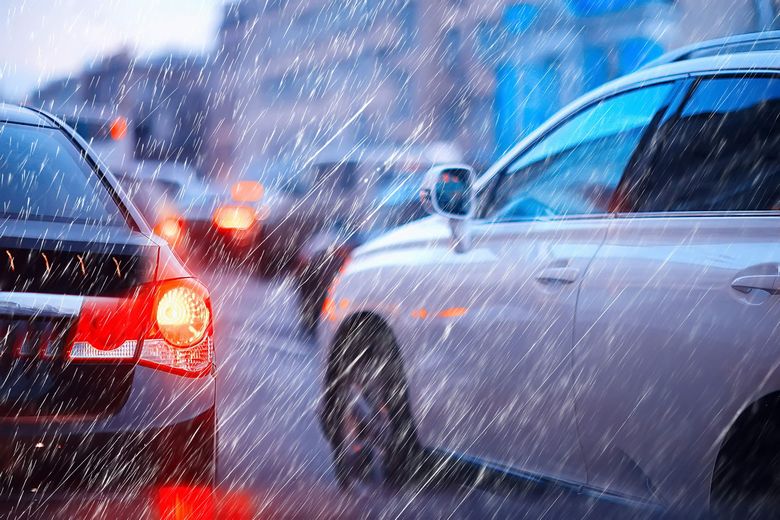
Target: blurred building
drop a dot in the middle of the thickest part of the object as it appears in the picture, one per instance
(294, 74)
(292, 77)
(164, 100)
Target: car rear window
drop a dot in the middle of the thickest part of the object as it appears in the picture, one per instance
(44, 177)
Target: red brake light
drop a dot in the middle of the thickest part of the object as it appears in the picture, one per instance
(234, 217)
(106, 328)
(118, 128)
(171, 320)
(170, 229)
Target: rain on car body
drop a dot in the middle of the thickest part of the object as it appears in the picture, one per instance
(106, 341)
(599, 309)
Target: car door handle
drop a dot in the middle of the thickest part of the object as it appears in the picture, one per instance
(558, 275)
(765, 282)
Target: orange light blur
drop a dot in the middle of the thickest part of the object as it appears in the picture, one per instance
(247, 191)
(118, 128)
(420, 313)
(453, 312)
(170, 229)
(234, 217)
(329, 309)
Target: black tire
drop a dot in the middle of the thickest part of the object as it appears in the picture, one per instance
(746, 482)
(367, 416)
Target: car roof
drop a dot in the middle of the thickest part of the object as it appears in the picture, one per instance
(736, 44)
(16, 114)
(755, 61)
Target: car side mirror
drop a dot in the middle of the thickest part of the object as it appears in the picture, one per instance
(448, 190)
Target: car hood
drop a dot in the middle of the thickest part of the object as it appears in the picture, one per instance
(418, 233)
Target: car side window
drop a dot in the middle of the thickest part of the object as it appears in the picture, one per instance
(575, 169)
(722, 153)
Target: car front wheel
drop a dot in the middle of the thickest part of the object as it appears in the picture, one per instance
(371, 430)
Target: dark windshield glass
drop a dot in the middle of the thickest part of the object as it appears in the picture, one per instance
(43, 177)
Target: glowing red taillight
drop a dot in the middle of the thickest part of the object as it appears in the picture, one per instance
(182, 315)
(237, 218)
(111, 328)
(165, 325)
(170, 229)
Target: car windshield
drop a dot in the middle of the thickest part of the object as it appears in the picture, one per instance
(44, 177)
(396, 203)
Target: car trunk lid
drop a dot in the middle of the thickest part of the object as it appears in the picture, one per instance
(47, 271)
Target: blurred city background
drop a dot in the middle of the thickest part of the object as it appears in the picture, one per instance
(282, 79)
(292, 131)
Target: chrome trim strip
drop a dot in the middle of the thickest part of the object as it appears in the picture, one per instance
(33, 304)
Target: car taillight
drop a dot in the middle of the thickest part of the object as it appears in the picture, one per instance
(170, 320)
(182, 315)
(170, 229)
(247, 191)
(118, 129)
(234, 217)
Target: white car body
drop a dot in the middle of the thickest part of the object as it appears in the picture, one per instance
(610, 352)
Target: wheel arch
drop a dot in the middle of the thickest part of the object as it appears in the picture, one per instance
(338, 348)
(742, 430)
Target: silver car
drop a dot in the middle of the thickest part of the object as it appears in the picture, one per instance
(600, 310)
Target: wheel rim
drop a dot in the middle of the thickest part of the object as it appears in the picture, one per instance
(366, 431)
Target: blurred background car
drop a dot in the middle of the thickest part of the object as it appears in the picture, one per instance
(281, 187)
(190, 213)
(394, 201)
(106, 132)
(304, 200)
(195, 216)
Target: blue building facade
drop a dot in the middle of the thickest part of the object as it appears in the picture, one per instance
(547, 54)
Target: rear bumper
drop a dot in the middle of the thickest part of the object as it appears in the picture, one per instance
(213, 245)
(165, 433)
